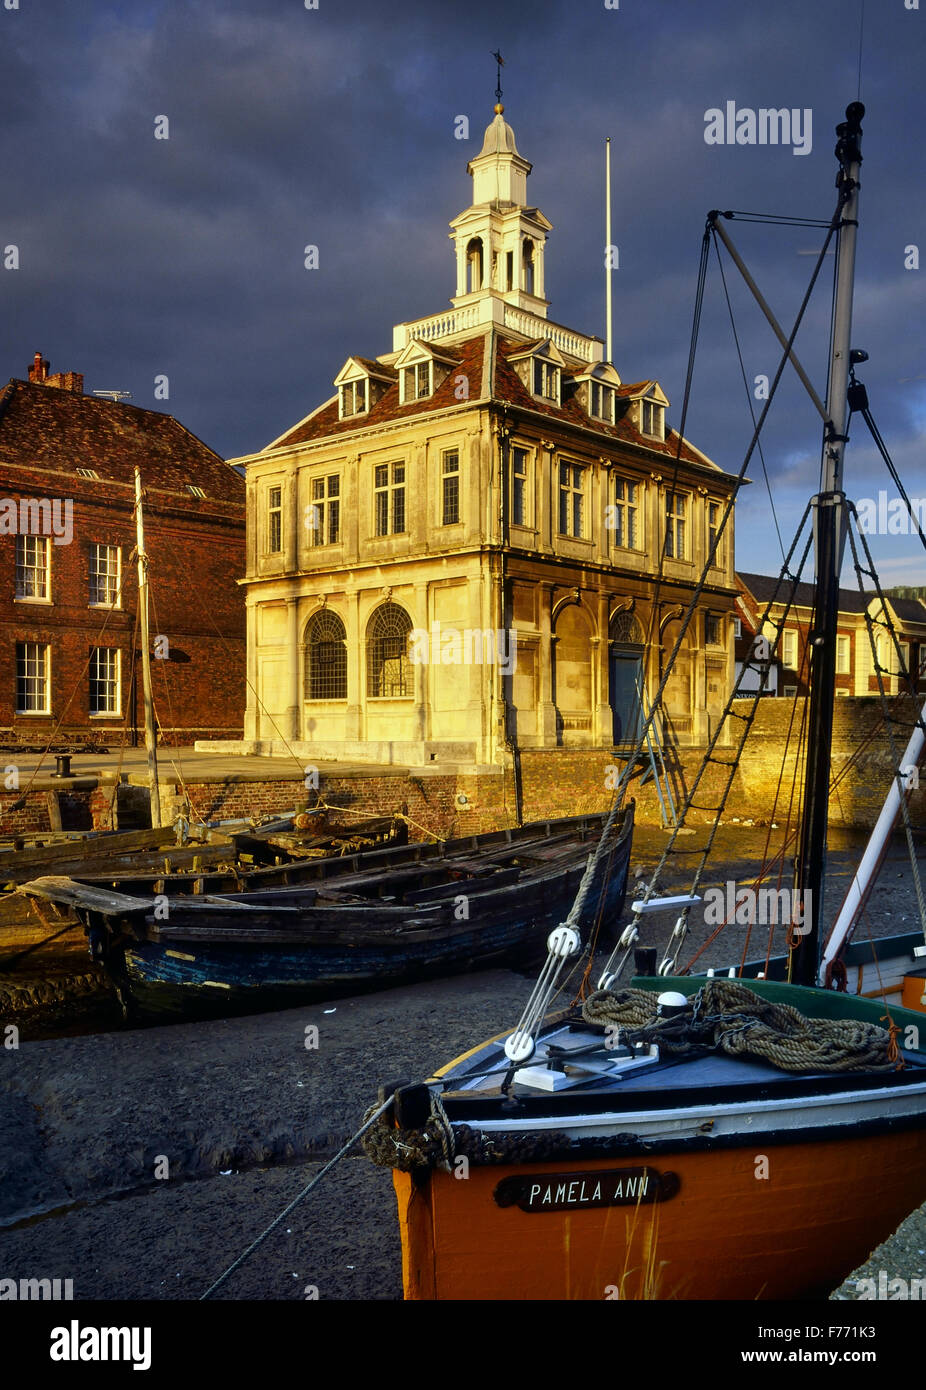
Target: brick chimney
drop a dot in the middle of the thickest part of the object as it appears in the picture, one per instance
(39, 369)
(65, 381)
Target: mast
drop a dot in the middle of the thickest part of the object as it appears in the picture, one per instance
(150, 745)
(830, 535)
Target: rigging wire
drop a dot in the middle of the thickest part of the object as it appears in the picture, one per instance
(752, 412)
(772, 219)
(866, 415)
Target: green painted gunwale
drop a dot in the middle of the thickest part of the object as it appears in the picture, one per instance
(815, 1003)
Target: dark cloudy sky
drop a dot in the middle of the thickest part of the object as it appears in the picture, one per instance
(335, 127)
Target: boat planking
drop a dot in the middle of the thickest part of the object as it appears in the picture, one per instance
(389, 917)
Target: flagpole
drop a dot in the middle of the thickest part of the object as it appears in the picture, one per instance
(607, 254)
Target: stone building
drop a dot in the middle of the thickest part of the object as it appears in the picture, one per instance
(68, 583)
(458, 553)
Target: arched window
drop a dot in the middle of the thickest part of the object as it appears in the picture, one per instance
(527, 266)
(474, 265)
(325, 658)
(389, 671)
(626, 629)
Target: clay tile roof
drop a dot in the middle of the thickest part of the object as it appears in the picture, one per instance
(45, 427)
(510, 387)
(325, 421)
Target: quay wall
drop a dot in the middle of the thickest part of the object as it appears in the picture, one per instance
(446, 801)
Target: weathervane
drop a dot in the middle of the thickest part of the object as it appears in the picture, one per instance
(499, 64)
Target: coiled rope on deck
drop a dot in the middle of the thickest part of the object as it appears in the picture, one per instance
(725, 1015)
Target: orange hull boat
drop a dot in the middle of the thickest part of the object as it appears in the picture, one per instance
(728, 1233)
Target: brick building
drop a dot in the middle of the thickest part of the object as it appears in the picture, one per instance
(855, 667)
(69, 666)
(459, 552)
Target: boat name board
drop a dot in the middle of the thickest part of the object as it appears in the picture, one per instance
(614, 1187)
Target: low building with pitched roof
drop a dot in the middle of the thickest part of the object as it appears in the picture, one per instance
(68, 581)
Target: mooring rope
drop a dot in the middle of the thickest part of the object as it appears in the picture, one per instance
(371, 1120)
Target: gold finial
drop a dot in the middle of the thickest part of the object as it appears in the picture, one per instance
(498, 108)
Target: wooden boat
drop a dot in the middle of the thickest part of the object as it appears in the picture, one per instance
(398, 914)
(222, 857)
(689, 1137)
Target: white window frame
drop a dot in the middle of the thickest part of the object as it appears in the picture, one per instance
(391, 488)
(673, 519)
(843, 654)
(713, 527)
(45, 649)
(94, 574)
(571, 490)
(652, 419)
(604, 402)
(326, 510)
(274, 510)
(737, 627)
(23, 568)
(111, 680)
(521, 487)
(416, 368)
(789, 647)
(629, 511)
(549, 380)
(450, 474)
(348, 393)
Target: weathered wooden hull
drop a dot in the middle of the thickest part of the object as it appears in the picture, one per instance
(205, 959)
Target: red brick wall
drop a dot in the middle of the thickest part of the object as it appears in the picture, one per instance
(34, 817)
(430, 802)
(196, 548)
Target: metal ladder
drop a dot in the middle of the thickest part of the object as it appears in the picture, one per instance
(657, 763)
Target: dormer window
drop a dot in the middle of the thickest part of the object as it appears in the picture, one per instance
(360, 384)
(421, 370)
(546, 380)
(353, 397)
(601, 402)
(416, 382)
(652, 419)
